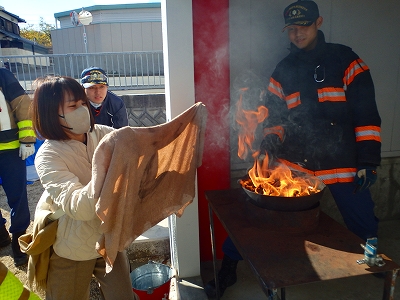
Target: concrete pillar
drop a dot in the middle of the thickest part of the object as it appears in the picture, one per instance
(179, 95)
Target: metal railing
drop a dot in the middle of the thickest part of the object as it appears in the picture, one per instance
(125, 70)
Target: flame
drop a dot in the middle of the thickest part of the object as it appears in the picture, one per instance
(248, 122)
(279, 181)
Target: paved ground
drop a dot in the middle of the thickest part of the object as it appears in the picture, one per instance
(356, 288)
(156, 233)
(34, 192)
(367, 287)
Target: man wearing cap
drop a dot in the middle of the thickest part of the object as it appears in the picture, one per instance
(107, 108)
(323, 120)
(323, 97)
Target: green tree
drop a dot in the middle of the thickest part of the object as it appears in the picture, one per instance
(41, 36)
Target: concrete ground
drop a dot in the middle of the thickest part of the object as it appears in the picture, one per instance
(355, 288)
(151, 245)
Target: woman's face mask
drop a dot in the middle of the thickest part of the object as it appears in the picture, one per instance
(78, 120)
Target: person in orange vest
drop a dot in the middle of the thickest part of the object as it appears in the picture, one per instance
(323, 121)
(17, 140)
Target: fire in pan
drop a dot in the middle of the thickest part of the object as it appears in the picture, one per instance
(292, 192)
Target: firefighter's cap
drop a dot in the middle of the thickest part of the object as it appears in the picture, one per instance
(92, 76)
(302, 13)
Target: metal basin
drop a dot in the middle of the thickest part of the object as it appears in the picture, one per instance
(279, 203)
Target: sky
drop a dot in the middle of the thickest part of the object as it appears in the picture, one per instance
(31, 11)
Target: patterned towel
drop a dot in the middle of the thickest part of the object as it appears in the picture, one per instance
(142, 175)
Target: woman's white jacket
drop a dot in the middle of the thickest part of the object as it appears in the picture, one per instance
(65, 171)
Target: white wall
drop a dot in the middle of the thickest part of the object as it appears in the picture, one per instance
(111, 30)
(126, 15)
(108, 37)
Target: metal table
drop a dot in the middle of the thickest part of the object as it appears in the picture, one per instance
(280, 259)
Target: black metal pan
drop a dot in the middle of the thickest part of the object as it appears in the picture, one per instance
(281, 203)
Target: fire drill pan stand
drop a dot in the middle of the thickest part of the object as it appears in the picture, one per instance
(280, 260)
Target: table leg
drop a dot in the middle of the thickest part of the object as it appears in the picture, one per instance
(283, 294)
(210, 214)
(273, 294)
(388, 287)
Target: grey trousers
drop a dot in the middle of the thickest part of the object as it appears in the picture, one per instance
(70, 279)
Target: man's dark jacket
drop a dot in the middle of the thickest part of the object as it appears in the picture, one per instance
(112, 112)
(322, 105)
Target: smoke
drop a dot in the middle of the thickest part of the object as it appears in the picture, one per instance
(216, 139)
(255, 86)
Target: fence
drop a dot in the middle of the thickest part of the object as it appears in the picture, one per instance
(125, 70)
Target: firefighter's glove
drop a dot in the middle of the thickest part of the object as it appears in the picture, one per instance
(365, 177)
(26, 150)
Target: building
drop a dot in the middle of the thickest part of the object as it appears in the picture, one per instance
(11, 43)
(114, 28)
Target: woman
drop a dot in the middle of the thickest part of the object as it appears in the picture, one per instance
(63, 163)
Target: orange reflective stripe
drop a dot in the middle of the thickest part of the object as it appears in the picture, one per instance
(275, 88)
(368, 133)
(293, 100)
(355, 68)
(341, 175)
(278, 130)
(336, 175)
(331, 94)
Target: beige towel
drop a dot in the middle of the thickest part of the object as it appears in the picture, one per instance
(142, 175)
(38, 246)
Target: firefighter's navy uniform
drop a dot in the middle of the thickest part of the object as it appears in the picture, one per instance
(322, 107)
(16, 134)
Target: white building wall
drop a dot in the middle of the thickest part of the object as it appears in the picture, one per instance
(137, 15)
(112, 30)
(109, 37)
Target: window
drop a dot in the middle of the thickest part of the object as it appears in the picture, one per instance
(9, 26)
(15, 28)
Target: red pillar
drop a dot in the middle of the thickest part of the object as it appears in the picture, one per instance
(212, 85)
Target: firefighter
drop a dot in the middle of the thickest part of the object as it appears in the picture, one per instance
(16, 144)
(323, 120)
(322, 96)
